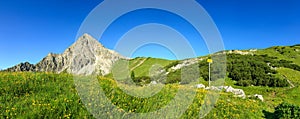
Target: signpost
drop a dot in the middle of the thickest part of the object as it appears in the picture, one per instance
(209, 61)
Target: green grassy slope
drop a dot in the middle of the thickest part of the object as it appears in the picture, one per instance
(290, 95)
(142, 65)
(43, 95)
(39, 95)
(291, 53)
(144, 68)
(292, 75)
(47, 95)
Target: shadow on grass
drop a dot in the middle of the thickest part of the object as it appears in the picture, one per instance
(268, 115)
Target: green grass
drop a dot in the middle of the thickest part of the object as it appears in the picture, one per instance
(291, 53)
(291, 95)
(134, 62)
(143, 69)
(292, 75)
(47, 95)
(39, 95)
(229, 107)
(142, 65)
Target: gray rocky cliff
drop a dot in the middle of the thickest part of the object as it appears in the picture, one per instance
(86, 56)
(22, 67)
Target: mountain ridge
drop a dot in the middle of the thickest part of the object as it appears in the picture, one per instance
(89, 56)
(85, 56)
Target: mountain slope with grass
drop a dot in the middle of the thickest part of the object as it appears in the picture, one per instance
(47, 89)
(290, 53)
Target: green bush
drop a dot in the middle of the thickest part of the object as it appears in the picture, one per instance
(173, 77)
(287, 64)
(287, 111)
(255, 70)
(142, 80)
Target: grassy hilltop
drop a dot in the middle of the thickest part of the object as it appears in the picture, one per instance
(273, 72)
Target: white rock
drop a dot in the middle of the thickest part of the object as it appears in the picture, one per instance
(260, 97)
(239, 93)
(229, 89)
(153, 82)
(236, 92)
(186, 62)
(200, 86)
(213, 88)
(221, 87)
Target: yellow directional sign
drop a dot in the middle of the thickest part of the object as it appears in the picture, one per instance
(209, 60)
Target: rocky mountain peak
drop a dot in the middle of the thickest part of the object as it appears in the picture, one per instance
(86, 40)
(86, 56)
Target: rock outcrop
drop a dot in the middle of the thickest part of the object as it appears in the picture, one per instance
(186, 62)
(86, 56)
(22, 67)
(200, 86)
(237, 92)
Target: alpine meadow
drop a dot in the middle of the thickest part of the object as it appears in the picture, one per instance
(267, 81)
(149, 59)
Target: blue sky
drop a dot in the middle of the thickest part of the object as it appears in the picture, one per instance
(30, 29)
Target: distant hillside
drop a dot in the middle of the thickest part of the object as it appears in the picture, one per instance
(263, 67)
(290, 53)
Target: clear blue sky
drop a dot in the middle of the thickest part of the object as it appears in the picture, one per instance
(30, 29)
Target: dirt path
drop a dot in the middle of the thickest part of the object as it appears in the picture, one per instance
(292, 85)
(141, 62)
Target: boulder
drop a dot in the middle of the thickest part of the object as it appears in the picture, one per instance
(221, 87)
(239, 93)
(260, 97)
(200, 86)
(153, 82)
(236, 92)
(228, 89)
(213, 88)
